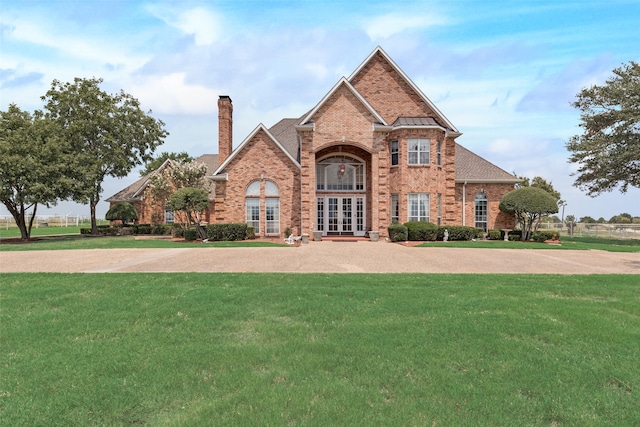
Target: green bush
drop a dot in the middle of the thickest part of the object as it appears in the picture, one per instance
(177, 231)
(143, 229)
(161, 229)
(515, 235)
(251, 233)
(459, 232)
(421, 231)
(397, 233)
(190, 234)
(541, 236)
(226, 232)
(103, 230)
(496, 235)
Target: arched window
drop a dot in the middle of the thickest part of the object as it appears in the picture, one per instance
(254, 196)
(252, 203)
(481, 211)
(272, 207)
(340, 173)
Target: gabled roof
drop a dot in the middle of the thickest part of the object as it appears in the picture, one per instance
(135, 191)
(239, 149)
(349, 86)
(285, 132)
(472, 168)
(414, 87)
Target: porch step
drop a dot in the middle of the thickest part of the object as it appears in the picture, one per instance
(344, 239)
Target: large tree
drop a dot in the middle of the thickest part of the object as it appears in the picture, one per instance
(33, 165)
(608, 151)
(108, 133)
(156, 162)
(528, 204)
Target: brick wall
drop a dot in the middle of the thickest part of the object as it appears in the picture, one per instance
(261, 159)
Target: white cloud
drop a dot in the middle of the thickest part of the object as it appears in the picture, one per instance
(203, 24)
(170, 94)
(65, 41)
(385, 26)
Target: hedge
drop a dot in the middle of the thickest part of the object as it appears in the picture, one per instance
(421, 231)
(226, 232)
(459, 232)
(191, 234)
(542, 236)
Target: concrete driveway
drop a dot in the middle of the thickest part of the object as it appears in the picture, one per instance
(324, 257)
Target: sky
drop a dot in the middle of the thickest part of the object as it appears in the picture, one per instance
(503, 72)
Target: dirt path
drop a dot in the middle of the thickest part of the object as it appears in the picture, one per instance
(324, 257)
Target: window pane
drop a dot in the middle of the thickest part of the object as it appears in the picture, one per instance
(481, 211)
(253, 213)
(271, 189)
(419, 151)
(395, 209)
(273, 216)
(418, 207)
(253, 189)
(394, 152)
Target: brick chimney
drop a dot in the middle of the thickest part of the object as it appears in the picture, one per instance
(225, 128)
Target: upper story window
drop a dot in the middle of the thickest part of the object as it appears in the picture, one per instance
(439, 153)
(340, 174)
(418, 152)
(393, 149)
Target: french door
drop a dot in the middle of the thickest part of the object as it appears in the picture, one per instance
(340, 215)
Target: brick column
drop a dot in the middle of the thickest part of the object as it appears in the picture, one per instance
(225, 128)
(307, 189)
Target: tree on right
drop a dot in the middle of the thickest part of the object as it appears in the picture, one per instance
(608, 150)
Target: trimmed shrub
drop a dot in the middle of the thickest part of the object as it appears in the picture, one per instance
(126, 231)
(496, 235)
(191, 234)
(177, 231)
(226, 232)
(397, 233)
(143, 229)
(459, 232)
(251, 233)
(102, 231)
(515, 235)
(542, 236)
(161, 229)
(421, 231)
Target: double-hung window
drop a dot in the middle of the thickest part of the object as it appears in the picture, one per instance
(253, 213)
(394, 150)
(418, 152)
(418, 207)
(481, 211)
(395, 209)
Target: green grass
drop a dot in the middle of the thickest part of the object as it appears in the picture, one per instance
(13, 232)
(353, 350)
(51, 230)
(121, 242)
(574, 243)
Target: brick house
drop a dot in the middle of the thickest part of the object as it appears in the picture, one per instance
(373, 150)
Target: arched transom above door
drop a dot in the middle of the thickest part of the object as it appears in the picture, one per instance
(340, 173)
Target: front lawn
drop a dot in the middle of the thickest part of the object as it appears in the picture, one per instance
(574, 243)
(319, 349)
(120, 242)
